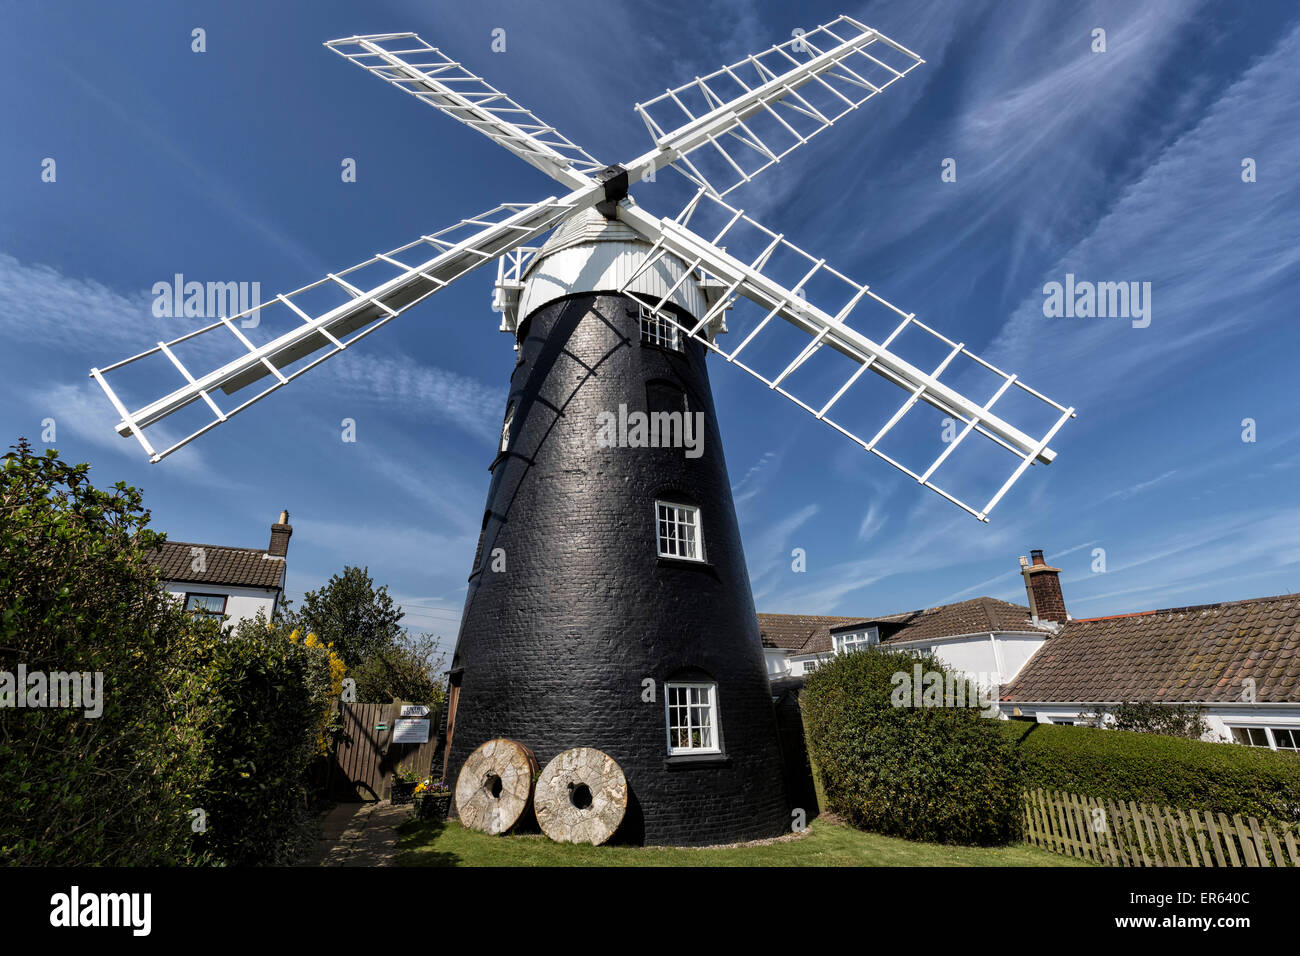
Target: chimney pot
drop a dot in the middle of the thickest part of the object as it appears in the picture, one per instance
(1037, 555)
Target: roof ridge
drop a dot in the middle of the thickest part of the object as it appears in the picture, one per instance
(1189, 607)
(199, 544)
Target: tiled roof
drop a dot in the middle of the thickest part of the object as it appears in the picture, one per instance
(809, 634)
(1176, 655)
(981, 615)
(237, 567)
(793, 631)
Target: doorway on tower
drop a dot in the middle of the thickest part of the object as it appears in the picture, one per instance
(453, 699)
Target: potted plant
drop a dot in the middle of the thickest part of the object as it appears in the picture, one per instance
(432, 799)
(405, 781)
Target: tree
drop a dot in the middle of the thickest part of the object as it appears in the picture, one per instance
(352, 615)
(406, 670)
(80, 596)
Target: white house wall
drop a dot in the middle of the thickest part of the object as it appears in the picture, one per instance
(241, 603)
(1219, 718)
(990, 658)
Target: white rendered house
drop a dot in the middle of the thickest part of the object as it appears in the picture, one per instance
(227, 582)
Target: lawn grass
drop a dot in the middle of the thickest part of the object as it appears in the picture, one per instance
(826, 844)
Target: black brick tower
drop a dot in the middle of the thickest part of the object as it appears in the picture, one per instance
(556, 646)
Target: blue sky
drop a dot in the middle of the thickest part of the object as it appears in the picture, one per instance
(1117, 166)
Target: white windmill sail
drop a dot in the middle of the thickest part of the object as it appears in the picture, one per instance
(424, 71)
(770, 103)
(824, 323)
(459, 249)
(720, 131)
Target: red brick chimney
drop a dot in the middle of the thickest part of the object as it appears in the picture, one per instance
(281, 531)
(1043, 585)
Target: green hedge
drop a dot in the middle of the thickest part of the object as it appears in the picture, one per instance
(943, 774)
(263, 695)
(1149, 768)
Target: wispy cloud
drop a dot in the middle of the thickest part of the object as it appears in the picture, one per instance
(1162, 230)
(432, 393)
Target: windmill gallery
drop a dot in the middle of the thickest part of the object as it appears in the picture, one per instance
(625, 557)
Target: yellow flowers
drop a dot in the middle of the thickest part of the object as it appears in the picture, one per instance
(337, 671)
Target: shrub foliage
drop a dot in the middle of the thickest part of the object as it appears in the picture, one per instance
(201, 750)
(941, 773)
(1152, 768)
(79, 595)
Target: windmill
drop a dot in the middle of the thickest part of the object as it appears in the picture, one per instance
(609, 605)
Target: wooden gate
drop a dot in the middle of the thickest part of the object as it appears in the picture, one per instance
(365, 756)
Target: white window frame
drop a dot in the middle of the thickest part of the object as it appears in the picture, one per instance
(1269, 735)
(856, 640)
(674, 519)
(657, 328)
(712, 706)
(225, 602)
(505, 428)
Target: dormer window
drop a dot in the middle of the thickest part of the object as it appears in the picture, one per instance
(851, 641)
(657, 328)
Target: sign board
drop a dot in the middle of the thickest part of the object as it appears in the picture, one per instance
(413, 730)
(415, 710)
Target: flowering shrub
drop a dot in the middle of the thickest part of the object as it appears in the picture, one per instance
(337, 670)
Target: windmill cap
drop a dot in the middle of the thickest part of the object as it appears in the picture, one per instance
(589, 253)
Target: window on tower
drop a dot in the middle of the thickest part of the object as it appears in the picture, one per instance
(692, 717)
(680, 535)
(657, 328)
(505, 427)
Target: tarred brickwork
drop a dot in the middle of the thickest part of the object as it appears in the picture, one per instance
(554, 649)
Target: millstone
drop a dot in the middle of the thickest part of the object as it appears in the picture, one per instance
(581, 797)
(495, 785)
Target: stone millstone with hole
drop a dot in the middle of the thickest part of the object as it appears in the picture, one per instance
(581, 797)
(495, 786)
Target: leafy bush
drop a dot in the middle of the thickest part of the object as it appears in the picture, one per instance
(191, 719)
(938, 773)
(1149, 768)
(1148, 717)
(269, 699)
(79, 594)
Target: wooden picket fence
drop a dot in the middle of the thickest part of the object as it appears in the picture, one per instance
(1118, 833)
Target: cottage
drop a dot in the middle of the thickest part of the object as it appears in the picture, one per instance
(1238, 661)
(234, 583)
